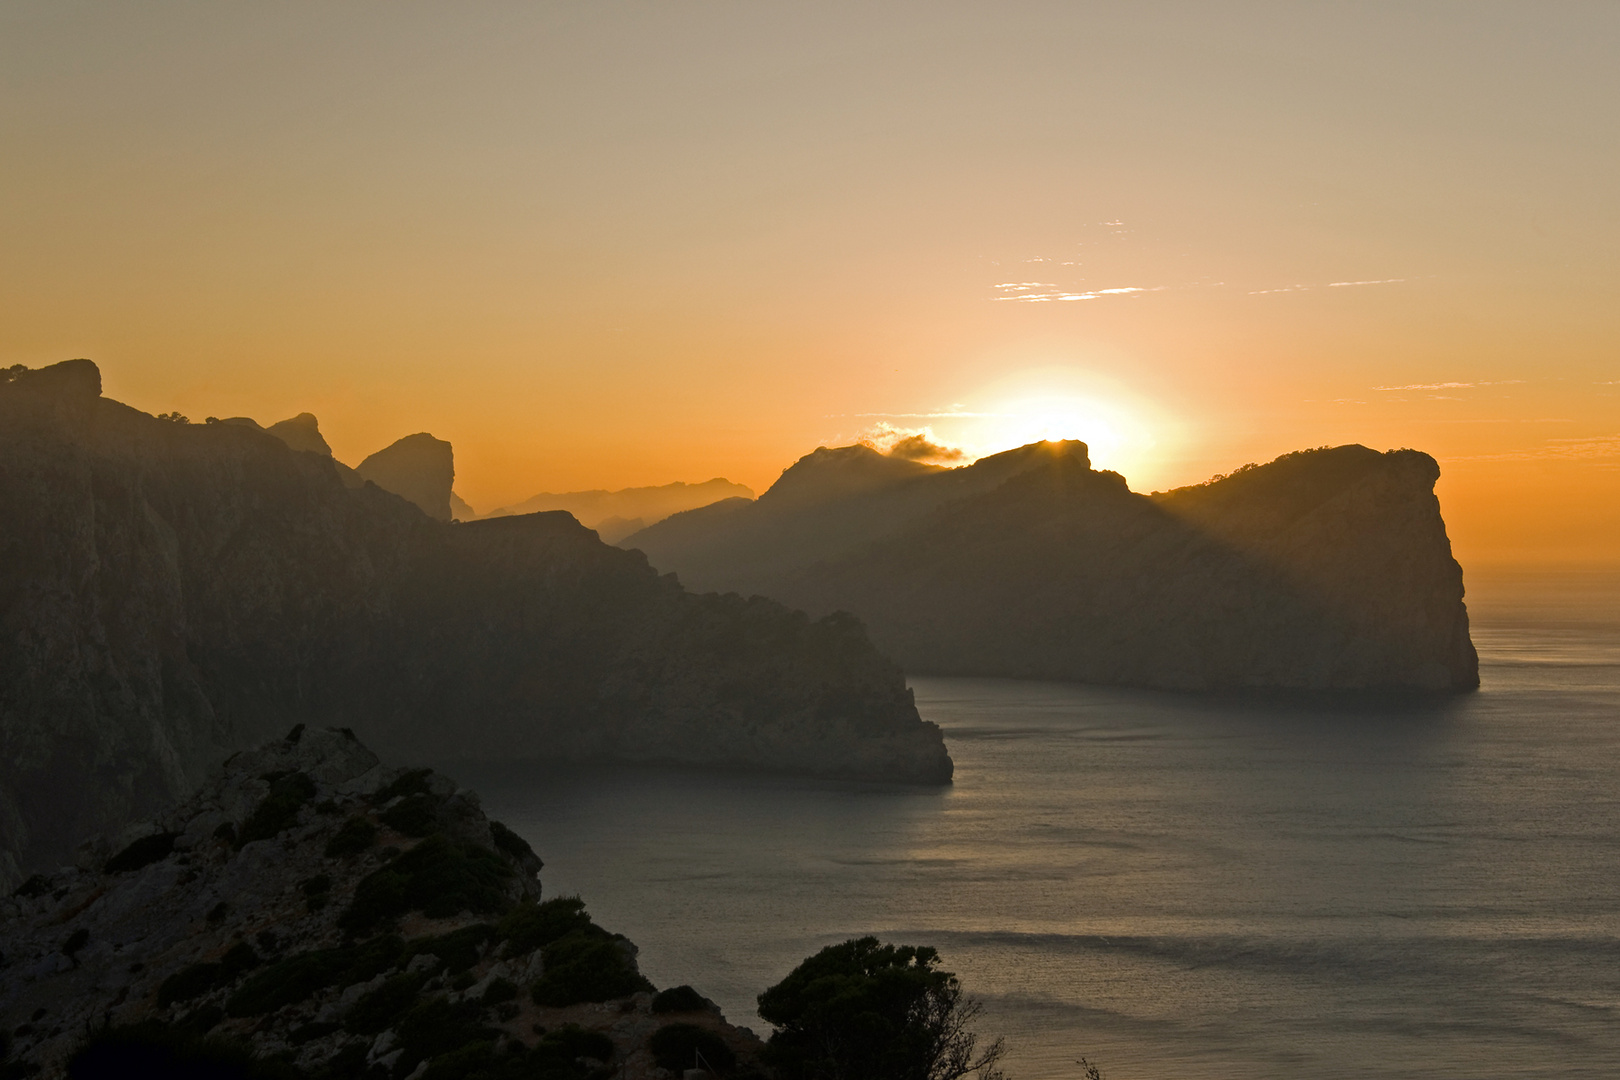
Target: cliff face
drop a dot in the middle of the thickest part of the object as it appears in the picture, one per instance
(419, 468)
(171, 591)
(311, 906)
(1326, 569)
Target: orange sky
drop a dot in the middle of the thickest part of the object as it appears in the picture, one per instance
(609, 244)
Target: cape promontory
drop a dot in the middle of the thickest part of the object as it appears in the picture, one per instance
(1325, 569)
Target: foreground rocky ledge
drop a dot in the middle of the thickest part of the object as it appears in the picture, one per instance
(337, 919)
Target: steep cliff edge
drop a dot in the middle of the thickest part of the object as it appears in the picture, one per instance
(328, 918)
(419, 468)
(171, 591)
(1326, 569)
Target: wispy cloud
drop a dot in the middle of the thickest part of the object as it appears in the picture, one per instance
(909, 415)
(1601, 450)
(1452, 385)
(1328, 285)
(1020, 292)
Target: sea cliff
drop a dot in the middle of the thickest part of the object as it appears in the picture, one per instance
(171, 591)
(1327, 569)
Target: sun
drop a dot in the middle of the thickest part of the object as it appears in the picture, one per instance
(1122, 431)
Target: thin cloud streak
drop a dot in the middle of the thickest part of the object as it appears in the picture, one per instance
(1452, 385)
(1596, 449)
(1042, 298)
(1329, 285)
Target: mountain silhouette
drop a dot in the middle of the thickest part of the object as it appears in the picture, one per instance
(419, 468)
(1325, 569)
(616, 514)
(171, 591)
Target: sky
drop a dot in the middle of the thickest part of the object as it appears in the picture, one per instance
(609, 244)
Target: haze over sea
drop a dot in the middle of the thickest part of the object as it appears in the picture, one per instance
(1178, 886)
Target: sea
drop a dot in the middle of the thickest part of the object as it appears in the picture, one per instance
(1173, 885)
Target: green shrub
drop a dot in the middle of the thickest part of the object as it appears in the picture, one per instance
(412, 783)
(586, 967)
(355, 836)
(240, 958)
(279, 809)
(195, 980)
(380, 1008)
(297, 978)
(497, 991)
(510, 842)
(76, 941)
(679, 999)
(573, 1042)
(151, 1049)
(143, 852)
(459, 949)
(530, 926)
(437, 877)
(436, 1027)
(416, 816)
(864, 1010)
(189, 982)
(678, 1047)
(315, 1029)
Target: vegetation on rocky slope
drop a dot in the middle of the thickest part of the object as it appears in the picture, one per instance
(337, 945)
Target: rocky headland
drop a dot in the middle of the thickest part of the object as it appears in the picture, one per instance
(1326, 569)
(170, 592)
(312, 913)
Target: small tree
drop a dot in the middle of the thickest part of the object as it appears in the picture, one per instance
(864, 1010)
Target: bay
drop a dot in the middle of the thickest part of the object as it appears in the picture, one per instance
(1177, 885)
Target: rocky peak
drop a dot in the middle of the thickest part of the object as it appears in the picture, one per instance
(419, 468)
(838, 472)
(70, 379)
(301, 432)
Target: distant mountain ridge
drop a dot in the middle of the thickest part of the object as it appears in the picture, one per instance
(616, 514)
(825, 505)
(170, 591)
(1325, 569)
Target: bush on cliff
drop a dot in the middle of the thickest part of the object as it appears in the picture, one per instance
(586, 966)
(279, 809)
(438, 877)
(864, 1010)
(528, 927)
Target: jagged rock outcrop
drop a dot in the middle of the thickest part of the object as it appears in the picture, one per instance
(419, 468)
(301, 432)
(173, 591)
(1326, 569)
(314, 909)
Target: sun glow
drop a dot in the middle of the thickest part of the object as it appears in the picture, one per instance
(1122, 433)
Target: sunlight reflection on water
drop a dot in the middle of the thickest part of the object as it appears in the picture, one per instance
(1174, 886)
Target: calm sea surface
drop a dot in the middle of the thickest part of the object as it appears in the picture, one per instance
(1177, 886)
